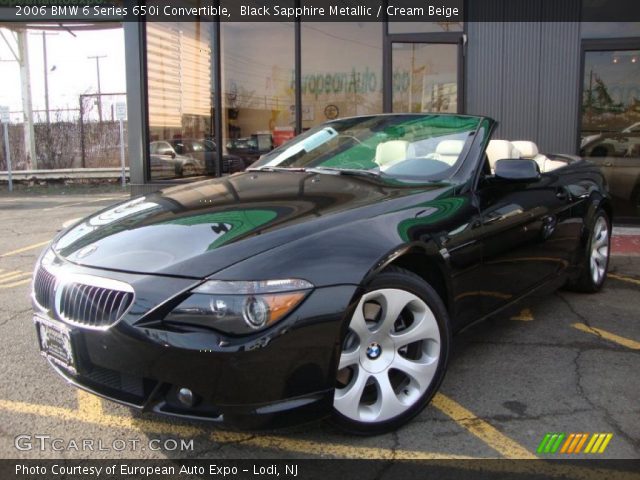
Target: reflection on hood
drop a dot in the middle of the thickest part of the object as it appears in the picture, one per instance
(228, 225)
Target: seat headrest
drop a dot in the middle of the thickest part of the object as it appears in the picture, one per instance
(499, 150)
(393, 151)
(450, 147)
(527, 149)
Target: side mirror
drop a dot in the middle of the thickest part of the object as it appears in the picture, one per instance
(517, 169)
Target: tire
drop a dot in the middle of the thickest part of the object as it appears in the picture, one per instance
(386, 377)
(593, 273)
(189, 170)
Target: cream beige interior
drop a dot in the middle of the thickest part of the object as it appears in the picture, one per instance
(448, 151)
(391, 152)
(503, 149)
(499, 150)
(530, 150)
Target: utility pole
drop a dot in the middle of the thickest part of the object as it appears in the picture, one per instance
(21, 55)
(46, 74)
(27, 108)
(98, 57)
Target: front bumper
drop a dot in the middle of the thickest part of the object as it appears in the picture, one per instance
(283, 375)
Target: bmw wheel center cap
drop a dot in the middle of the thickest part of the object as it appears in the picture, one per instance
(374, 351)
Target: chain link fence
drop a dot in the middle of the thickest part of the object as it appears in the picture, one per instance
(88, 136)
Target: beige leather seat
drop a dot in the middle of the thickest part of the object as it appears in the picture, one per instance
(391, 152)
(530, 150)
(500, 150)
(448, 151)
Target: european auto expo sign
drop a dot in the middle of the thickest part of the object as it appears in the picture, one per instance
(356, 81)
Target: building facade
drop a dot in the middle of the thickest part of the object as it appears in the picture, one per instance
(209, 98)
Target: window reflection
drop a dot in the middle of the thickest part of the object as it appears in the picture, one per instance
(180, 106)
(341, 70)
(258, 91)
(611, 125)
(425, 77)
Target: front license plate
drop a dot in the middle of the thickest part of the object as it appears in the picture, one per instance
(55, 343)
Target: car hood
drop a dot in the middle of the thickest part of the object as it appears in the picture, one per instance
(196, 229)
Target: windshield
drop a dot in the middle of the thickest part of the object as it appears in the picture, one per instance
(402, 146)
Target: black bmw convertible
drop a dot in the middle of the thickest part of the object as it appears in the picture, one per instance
(326, 280)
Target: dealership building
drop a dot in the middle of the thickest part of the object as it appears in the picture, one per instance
(239, 89)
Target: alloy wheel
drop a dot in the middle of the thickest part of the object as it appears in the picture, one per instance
(599, 250)
(389, 358)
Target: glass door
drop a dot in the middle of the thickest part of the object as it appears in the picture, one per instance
(425, 77)
(610, 125)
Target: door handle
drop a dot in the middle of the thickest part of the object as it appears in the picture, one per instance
(491, 219)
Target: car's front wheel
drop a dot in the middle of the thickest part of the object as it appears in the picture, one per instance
(394, 354)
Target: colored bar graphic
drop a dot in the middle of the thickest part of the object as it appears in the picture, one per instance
(574, 444)
(567, 443)
(543, 443)
(555, 443)
(594, 437)
(606, 442)
(598, 443)
(550, 443)
(581, 442)
(555, 447)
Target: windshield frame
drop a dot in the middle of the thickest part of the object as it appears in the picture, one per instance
(405, 123)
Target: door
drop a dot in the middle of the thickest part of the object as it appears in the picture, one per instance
(425, 77)
(526, 236)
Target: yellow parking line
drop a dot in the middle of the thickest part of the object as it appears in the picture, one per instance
(624, 278)
(91, 415)
(612, 337)
(525, 315)
(24, 249)
(89, 405)
(10, 275)
(481, 429)
(15, 284)
(273, 442)
(541, 467)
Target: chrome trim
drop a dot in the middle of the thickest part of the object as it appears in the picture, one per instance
(78, 283)
(50, 287)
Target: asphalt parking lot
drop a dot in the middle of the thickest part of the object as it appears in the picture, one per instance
(561, 363)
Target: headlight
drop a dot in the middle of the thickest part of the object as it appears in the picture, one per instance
(240, 307)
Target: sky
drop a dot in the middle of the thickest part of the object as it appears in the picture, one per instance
(73, 74)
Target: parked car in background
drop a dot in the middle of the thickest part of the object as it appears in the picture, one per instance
(618, 154)
(327, 280)
(613, 144)
(165, 161)
(250, 148)
(204, 151)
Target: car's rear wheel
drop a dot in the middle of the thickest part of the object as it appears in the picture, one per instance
(394, 354)
(594, 271)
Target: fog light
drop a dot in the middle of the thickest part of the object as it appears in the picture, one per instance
(185, 396)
